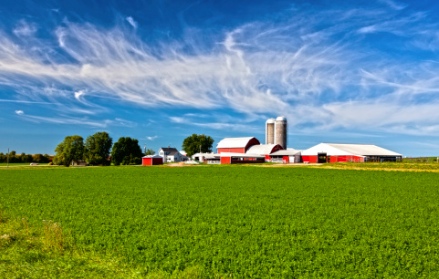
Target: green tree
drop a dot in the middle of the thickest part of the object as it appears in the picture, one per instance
(97, 148)
(126, 151)
(40, 158)
(149, 152)
(71, 149)
(13, 157)
(196, 143)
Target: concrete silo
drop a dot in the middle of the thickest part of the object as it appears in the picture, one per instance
(269, 131)
(280, 134)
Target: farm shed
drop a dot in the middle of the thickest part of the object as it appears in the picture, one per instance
(286, 156)
(336, 152)
(264, 150)
(240, 158)
(213, 159)
(236, 145)
(210, 158)
(151, 160)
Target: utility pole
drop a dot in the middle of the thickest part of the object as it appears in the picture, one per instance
(7, 160)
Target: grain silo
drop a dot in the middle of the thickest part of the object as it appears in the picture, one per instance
(269, 131)
(280, 135)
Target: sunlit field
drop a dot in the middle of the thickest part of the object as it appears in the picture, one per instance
(218, 222)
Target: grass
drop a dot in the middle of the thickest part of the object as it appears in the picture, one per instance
(47, 252)
(217, 222)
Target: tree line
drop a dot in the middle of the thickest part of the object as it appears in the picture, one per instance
(126, 151)
(24, 158)
(96, 151)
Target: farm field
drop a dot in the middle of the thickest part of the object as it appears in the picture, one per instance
(219, 221)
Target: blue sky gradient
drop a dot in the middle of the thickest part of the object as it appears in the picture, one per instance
(159, 71)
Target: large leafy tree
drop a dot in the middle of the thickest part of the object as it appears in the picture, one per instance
(196, 143)
(126, 151)
(71, 149)
(97, 148)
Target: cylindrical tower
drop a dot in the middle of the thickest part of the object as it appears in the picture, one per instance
(269, 131)
(280, 136)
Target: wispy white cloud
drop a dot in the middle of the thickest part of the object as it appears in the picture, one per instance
(151, 138)
(314, 68)
(72, 120)
(24, 29)
(394, 4)
(131, 22)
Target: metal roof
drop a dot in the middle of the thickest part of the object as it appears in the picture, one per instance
(153, 156)
(262, 149)
(234, 142)
(288, 152)
(349, 149)
(169, 151)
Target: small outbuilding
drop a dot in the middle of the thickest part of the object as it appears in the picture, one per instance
(151, 160)
(286, 156)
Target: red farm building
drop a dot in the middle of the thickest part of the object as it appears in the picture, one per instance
(236, 145)
(287, 156)
(264, 150)
(244, 150)
(334, 153)
(151, 160)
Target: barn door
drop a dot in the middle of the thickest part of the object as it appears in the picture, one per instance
(321, 158)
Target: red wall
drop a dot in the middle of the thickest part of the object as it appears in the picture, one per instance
(309, 159)
(226, 160)
(334, 159)
(152, 161)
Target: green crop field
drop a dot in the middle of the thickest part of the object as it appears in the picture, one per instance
(218, 222)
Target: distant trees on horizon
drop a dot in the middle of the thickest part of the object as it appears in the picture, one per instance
(24, 158)
(96, 150)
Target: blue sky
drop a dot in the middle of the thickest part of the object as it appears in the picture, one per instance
(159, 71)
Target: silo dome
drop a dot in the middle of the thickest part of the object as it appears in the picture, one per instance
(270, 121)
(280, 118)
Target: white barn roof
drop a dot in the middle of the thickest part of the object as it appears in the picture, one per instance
(288, 152)
(152, 156)
(234, 142)
(349, 149)
(262, 149)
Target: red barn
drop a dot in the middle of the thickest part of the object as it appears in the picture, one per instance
(236, 145)
(151, 160)
(264, 150)
(336, 152)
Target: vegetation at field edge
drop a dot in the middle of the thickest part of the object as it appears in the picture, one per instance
(399, 166)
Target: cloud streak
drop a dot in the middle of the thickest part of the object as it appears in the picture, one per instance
(314, 68)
